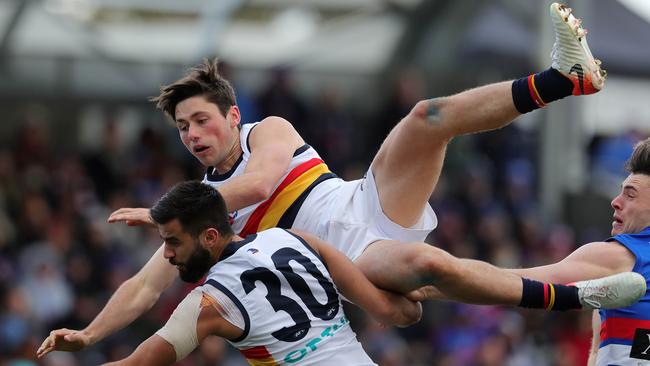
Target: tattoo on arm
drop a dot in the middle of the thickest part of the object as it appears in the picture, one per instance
(433, 112)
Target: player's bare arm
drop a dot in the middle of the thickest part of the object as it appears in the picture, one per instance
(193, 320)
(153, 351)
(593, 260)
(272, 143)
(387, 307)
(132, 299)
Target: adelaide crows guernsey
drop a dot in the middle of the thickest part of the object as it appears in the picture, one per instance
(306, 171)
(625, 332)
(291, 308)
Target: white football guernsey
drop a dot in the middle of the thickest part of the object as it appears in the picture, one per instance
(291, 308)
(306, 171)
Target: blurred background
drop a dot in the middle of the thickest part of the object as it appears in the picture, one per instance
(78, 139)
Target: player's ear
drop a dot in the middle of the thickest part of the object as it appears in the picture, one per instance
(211, 237)
(233, 116)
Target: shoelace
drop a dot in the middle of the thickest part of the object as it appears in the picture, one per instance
(591, 294)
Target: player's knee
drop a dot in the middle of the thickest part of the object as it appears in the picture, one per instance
(433, 264)
(430, 108)
(430, 116)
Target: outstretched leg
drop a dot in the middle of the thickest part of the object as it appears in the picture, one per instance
(404, 267)
(409, 162)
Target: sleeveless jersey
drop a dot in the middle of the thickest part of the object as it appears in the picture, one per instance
(306, 171)
(291, 308)
(625, 332)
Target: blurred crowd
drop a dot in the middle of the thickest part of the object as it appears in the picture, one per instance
(61, 261)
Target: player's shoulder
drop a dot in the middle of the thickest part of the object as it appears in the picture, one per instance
(273, 126)
(277, 131)
(271, 237)
(274, 122)
(280, 233)
(637, 243)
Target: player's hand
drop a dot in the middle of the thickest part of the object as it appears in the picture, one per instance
(426, 293)
(404, 311)
(67, 340)
(132, 216)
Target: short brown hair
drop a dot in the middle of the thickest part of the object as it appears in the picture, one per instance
(639, 162)
(204, 80)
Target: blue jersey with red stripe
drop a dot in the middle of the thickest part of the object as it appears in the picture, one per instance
(619, 326)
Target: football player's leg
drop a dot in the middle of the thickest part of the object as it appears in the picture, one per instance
(404, 267)
(409, 162)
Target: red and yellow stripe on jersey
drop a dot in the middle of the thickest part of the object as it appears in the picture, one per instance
(259, 356)
(290, 192)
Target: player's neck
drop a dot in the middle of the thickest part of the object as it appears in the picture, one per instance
(231, 158)
(223, 243)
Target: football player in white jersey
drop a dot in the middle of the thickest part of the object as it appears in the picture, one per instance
(273, 295)
(269, 177)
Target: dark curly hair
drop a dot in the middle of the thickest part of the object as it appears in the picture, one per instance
(196, 205)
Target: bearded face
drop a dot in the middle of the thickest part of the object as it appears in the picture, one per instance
(196, 266)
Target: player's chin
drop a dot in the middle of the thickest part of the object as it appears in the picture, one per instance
(189, 276)
(205, 157)
(202, 160)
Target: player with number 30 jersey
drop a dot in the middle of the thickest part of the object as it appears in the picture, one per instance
(291, 309)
